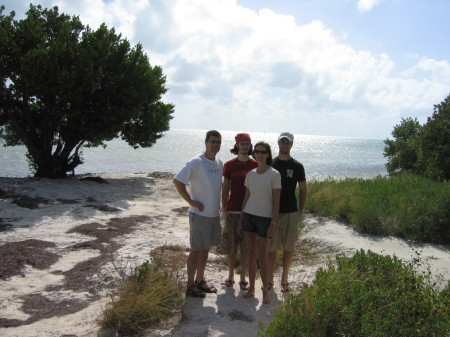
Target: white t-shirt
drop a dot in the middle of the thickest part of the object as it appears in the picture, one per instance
(204, 179)
(261, 187)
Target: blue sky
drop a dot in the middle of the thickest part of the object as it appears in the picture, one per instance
(350, 68)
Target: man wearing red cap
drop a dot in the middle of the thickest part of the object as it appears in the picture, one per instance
(233, 191)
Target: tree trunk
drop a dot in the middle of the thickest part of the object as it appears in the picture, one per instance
(60, 162)
(53, 169)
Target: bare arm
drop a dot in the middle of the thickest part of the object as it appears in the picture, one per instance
(244, 202)
(302, 191)
(181, 188)
(275, 211)
(225, 193)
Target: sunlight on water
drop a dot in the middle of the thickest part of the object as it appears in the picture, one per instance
(322, 156)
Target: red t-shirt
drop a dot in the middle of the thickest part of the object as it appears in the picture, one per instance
(235, 171)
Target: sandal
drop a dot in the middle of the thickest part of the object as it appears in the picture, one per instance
(205, 287)
(228, 283)
(285, 288)
(243, 285)
(195, 291)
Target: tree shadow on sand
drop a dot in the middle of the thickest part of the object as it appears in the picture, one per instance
(80, 197)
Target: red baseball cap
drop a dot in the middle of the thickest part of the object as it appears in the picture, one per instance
(242, 137)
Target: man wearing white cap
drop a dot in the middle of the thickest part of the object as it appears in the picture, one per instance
(287, 229)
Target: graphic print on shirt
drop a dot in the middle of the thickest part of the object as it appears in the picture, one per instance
(289, 173)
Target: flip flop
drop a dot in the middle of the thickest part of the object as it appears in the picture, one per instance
(228, 283)
(243, 285)
(205, 287)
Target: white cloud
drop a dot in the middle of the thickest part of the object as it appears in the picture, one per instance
(367, 5)
(438, 71)
(229, 67)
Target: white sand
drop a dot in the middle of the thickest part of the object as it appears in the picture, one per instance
(224, 314)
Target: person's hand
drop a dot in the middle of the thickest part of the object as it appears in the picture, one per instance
(225, 214)
(198, 205)
(271, 231)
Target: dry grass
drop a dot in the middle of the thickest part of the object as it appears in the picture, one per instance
(151, 293)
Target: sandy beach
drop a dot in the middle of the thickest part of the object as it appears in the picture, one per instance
(62, 240)
(63, 286)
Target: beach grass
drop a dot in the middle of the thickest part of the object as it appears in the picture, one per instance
(149, 294)
(364, 295)
(405, 205)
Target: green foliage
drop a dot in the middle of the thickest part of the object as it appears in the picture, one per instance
(149, 295)
(435, 145)
(66, 86)
(143, 271)
(424, 150)
(403, 152)
(404, 205)
(365, 295)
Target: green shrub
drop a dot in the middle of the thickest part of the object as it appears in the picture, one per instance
(365, 295)
(403, 205)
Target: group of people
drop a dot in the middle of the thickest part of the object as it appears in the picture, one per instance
(259, 207)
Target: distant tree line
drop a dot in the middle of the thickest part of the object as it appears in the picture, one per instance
(65, 86)
(422, 149)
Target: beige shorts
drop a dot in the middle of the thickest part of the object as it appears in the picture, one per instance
(230, 239)
(204, 231)
(286, 232)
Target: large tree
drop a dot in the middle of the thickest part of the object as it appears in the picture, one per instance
(65, 86)
(422, 149)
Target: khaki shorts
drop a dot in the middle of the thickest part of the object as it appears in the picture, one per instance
(286, 232)
(204, 231)
(230, 239)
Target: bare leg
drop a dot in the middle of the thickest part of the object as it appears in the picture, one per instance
(287, 260)
(250, 239)
(244, 264)
(192, 263)
(262, 246)
(231, 264)
(272, 261)
(202, 259)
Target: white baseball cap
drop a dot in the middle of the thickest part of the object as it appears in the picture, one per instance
(287, 135)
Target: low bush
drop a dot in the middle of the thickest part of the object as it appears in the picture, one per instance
(403, 205)
(365, 295)
(150, 294)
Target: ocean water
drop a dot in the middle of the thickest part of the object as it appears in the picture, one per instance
(322, 156)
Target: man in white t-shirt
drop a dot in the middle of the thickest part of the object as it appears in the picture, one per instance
(203, 175)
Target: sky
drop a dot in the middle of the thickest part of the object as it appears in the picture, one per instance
(346, 68)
